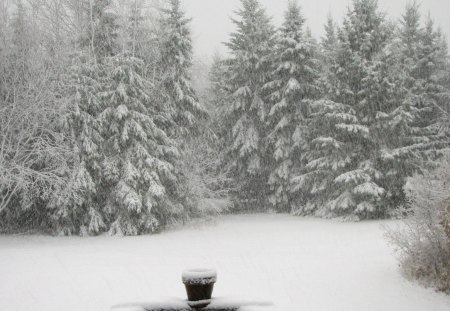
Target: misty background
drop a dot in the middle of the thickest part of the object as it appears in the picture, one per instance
(211, 19)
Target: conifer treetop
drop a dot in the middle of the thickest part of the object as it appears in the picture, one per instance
(253, 27)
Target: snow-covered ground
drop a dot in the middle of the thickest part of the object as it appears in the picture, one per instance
(298, 263)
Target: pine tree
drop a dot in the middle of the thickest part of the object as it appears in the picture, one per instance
(423, 55)
(343, 175)
(410, 33)
(249, 67)
(176, 61)
(376, 119)
(431, 75)
(407, 137)
(393, 130)
(329, 41)
(78, 208)
(139, 176)
(294, 85)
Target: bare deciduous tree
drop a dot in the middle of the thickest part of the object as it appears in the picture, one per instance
(33, 155)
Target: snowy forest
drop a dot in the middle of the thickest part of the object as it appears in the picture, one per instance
(110, 125)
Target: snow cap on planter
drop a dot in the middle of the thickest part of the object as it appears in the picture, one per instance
(199, 276)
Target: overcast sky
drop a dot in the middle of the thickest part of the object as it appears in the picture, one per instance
(211, 23)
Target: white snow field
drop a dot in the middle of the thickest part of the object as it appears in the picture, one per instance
(297, 263)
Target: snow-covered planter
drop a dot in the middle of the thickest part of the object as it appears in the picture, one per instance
(199, 285)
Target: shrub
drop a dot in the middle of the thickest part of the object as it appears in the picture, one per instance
(423, 238)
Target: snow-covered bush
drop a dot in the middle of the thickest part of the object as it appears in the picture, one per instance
(33, 157)
(423, 240)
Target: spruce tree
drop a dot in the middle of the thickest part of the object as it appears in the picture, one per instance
(423, 55)
(293, 87)
(431, 75)
(250, 47)
(78, 208)
(138, 170)
(371, 131)
(393, 130)
(329, 41)
(410, 34)
(176, 61)
(342, 176)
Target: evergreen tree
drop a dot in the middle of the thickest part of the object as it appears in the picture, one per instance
(78, 208)
(344, 174)
(393, 130)
(423, 55)
(410, 34)
(328, 48)
(329, 41)
(431, 75)
(249, 67)
(185, 116)
(139, 176)
(294, 85)
(176, 61)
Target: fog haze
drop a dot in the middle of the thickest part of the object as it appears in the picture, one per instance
(211, 24)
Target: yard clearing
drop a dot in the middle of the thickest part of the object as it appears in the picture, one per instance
(301, 264)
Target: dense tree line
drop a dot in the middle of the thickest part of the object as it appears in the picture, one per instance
(103, 131)
(332, 128)
(354, 126)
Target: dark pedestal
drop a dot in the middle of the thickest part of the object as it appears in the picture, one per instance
(192, 309)
(217, 304)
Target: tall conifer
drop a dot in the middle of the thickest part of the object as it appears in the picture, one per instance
(250, 46)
